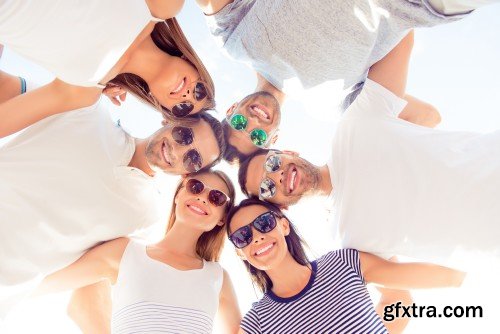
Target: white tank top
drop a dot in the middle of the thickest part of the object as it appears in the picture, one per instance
(78, 41)
(153, 297)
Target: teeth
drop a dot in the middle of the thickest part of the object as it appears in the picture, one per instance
(179, 87)
(261, 112)
(197, 209)
(262, 250)
(165, 154)
(292, 181)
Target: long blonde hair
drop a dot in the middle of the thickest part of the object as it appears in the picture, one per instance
(211, 243)
(168, 37)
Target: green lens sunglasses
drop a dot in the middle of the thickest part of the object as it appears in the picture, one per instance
(239, 122)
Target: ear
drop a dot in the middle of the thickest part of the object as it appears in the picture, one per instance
(283, 207)
(285, 226)
(220, 223)
(231, 109)
(275, 137)
(240, 254)
(184, 176)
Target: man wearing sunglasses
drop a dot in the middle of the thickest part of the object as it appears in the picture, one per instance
(395, 188)
(76, 179)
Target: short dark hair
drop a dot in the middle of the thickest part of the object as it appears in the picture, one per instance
(295, 244)
(218, 134)
(232, 155)
(243, 171)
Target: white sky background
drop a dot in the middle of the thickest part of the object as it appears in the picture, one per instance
(455, 67)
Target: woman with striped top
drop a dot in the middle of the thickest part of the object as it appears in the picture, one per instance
(175, 285)
(327, 295)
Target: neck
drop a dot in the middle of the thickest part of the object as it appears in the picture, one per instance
(181, 239)
(139, 158)
(146, 61)
(325, 183)
(289, 277)
(265, 86)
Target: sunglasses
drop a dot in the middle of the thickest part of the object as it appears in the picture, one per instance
(191, 160)
(216, 197)
(267, 187)
(243, 236)
(184, 108)
(257, 136)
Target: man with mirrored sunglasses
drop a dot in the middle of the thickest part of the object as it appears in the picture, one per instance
(76, 179)
(394, 188)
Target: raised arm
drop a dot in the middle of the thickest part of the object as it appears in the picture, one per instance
(392, 70)
(407, 276)
(229, 311)
(53, 98)
(165, 9)
(99, 263)
(210, 7)
(10, 86)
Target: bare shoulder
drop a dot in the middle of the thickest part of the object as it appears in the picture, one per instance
(165, 9)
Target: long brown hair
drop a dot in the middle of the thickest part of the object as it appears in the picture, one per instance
(294, 243)
(211, 243)
(169, 38)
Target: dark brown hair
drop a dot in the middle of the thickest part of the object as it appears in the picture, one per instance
(294, 243)
(211, 243)
(216, 127)
(168, 37)
(232, 155)
(243, 171)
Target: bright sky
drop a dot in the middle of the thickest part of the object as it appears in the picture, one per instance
(455, 67)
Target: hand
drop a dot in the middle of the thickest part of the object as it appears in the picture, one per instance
(116, 94)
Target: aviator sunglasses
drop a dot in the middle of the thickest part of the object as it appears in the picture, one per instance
(216, 197)
(272, 164)
(243, 236)
(183, 109)
(191, 160)
(257, 136)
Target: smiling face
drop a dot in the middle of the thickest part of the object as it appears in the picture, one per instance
(196, 209)
(262, 110)
(295, 178)
(175, 84)
(164, 153)
(267, 250)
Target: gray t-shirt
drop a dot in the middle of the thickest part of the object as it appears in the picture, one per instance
(316, 41)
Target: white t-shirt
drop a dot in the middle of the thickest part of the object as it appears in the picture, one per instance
(64, 187)
(404, 189)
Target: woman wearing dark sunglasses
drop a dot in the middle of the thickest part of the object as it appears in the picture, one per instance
(92, 44)
(327, 295)
(176, 284)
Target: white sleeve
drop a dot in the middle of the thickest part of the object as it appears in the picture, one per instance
(224, 22)
(375, 99)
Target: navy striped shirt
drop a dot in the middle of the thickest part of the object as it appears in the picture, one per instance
(335, 300)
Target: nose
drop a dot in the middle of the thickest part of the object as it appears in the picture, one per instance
(277, 177)
(187, 93)
(203, 200)
(257, 236)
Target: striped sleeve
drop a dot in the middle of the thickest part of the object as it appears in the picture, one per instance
(351, 257)
(251, 323)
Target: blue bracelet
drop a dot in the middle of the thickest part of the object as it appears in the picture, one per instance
(23, 85)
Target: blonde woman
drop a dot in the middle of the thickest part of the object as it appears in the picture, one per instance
(175, 285)
(133, 45)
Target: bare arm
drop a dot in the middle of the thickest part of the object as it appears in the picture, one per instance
(10, 86)
(407, 276)
(90, 308)
(165, 9)
(392, 70)
(229, 311)
(210, 7)
(56, 97)
(420, 112)
(99, 263)
(390, 297)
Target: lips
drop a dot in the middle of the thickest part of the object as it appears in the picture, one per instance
(260, 111)
(178, 88)
(264, 250)
(292, 179)
(197, 209)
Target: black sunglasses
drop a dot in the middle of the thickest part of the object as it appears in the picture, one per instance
(216, 197)
(191, 160)
(243, 236)
(184, 108)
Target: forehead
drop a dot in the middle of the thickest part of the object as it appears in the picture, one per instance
(246, 215)
(211, 180)
(205, 142)
(255, 173)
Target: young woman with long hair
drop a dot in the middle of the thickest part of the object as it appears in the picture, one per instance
(88, 45)
(176, 284)
(327, 295)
